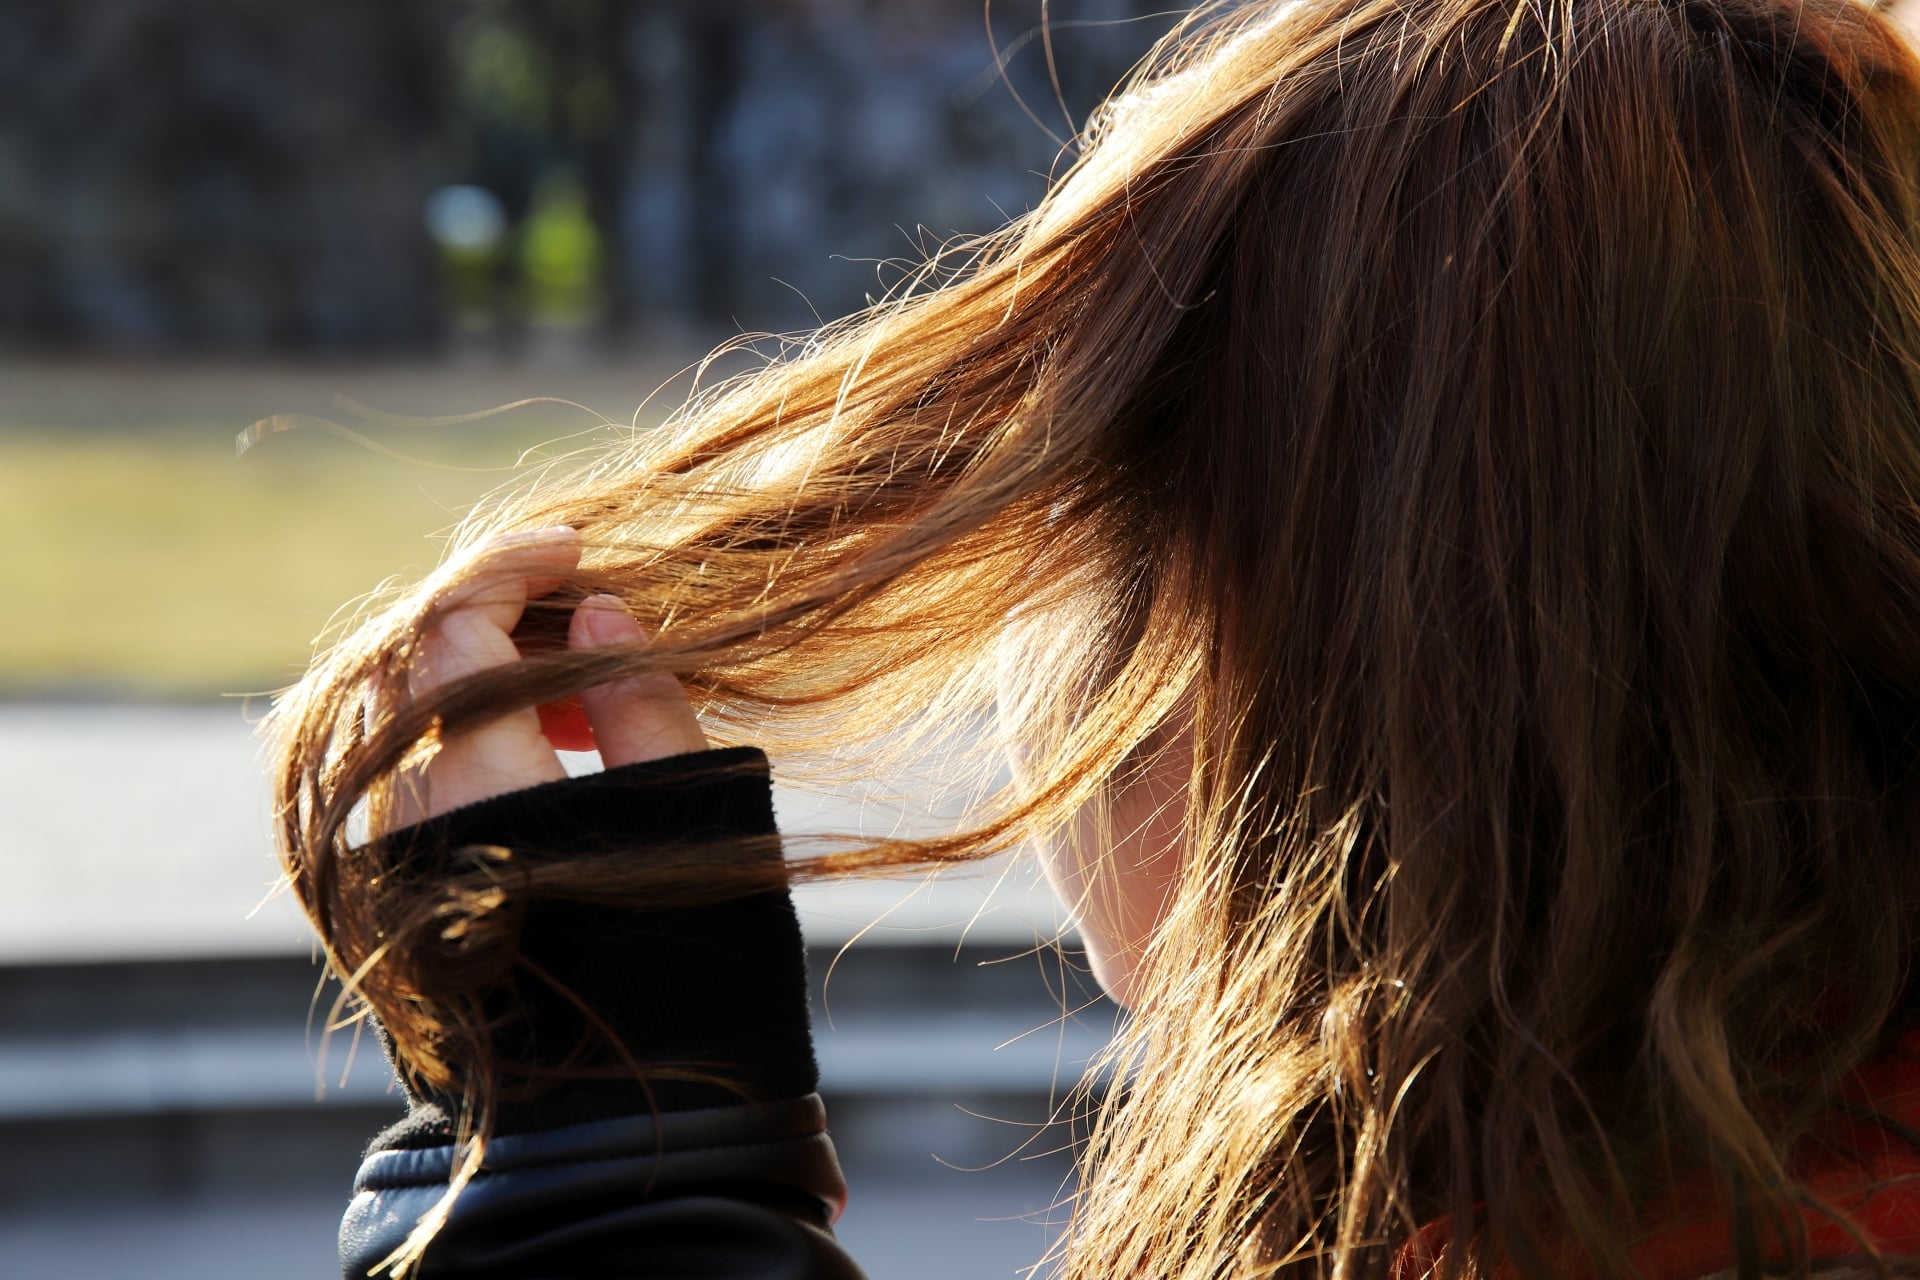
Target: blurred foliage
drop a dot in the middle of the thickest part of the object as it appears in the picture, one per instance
(501, 75)
(532, 114)
(561, 256)
(508, 70)
(219, 174)
(200, 178)
(250, 175)
(161, 565)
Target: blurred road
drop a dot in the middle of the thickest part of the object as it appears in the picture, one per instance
(141, 831)
(159, 1058)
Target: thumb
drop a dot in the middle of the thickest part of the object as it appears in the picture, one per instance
(645, 718)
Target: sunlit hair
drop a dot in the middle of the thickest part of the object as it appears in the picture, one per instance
(1495, 427)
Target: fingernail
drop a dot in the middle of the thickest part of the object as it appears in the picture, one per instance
(605, 620)
(530, 537)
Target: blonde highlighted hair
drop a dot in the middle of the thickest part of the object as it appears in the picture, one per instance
(1495, 429)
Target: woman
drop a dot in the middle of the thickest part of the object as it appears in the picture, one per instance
(1431, 499)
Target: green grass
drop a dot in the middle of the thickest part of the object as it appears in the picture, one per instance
(154, 562)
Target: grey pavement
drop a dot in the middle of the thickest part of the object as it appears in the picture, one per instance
(141, 831)
(160, 1108)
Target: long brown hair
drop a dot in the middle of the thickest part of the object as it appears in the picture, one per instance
(1495, 428)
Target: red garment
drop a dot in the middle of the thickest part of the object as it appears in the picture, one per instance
(1858, 1171)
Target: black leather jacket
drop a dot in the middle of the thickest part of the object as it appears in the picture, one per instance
(606, 1178)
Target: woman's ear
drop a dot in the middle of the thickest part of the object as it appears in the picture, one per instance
(1125, 857)
(1116, 864)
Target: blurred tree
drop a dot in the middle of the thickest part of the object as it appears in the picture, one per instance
(249, 174)
(233, 173)
(562, 256)
(777, 146)
(539, 102)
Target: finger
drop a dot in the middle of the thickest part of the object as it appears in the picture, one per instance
(471, 632)
(511, 570)
(457, 645)
(406, 805)
(470, 636)
(644, 718)
(501, 756)
(484, 760)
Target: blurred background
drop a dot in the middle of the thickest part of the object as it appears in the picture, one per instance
(361, 224)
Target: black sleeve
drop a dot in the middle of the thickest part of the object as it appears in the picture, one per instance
(607, 1177)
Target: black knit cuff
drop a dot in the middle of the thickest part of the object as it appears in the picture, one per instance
(716, 989)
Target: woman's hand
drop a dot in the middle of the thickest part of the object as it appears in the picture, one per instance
(629, 721)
